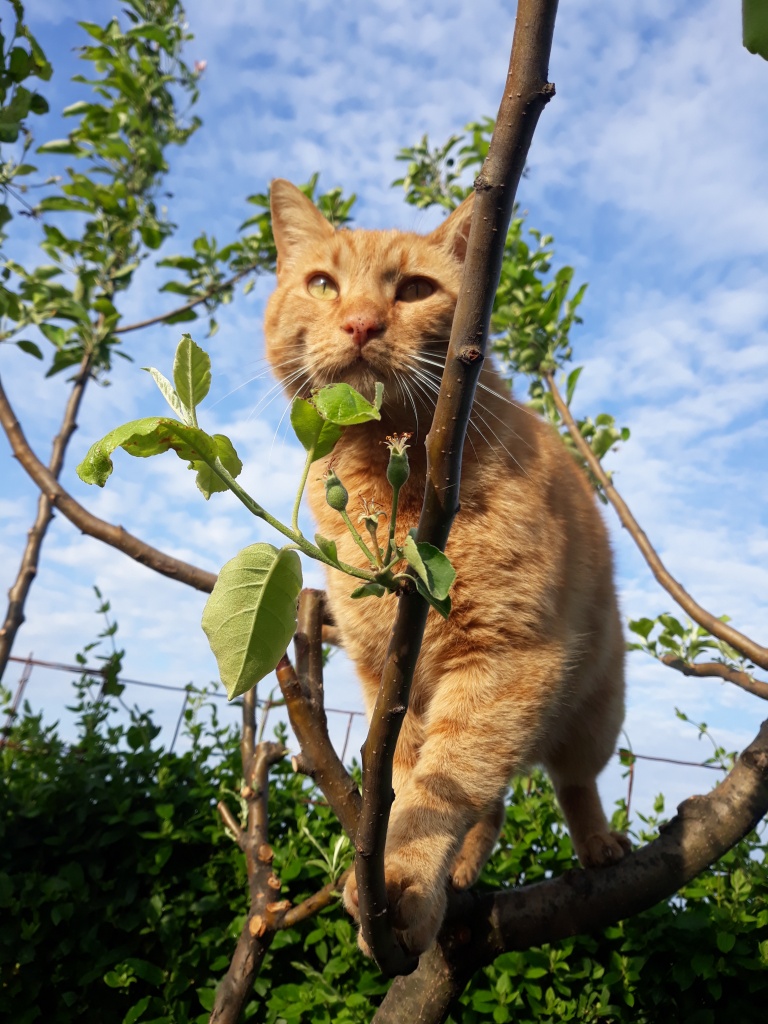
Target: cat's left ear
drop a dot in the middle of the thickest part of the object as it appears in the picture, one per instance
(453, 233)
(296, 220)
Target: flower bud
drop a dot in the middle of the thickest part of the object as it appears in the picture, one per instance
(335, 492)
(398, 469)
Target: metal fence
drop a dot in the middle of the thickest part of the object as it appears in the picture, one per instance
(629, 757)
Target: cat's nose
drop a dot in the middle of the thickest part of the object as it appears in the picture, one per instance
(362, 328)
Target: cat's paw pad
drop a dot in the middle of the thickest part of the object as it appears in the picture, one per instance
(603, 849)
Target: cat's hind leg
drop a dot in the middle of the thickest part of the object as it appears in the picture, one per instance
(477, 847)
(574, 768)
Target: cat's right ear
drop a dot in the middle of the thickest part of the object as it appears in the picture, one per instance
(295, 221)
(453, 233)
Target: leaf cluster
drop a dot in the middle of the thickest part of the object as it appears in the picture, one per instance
(686, 640)
(100, 219)
(21, 58)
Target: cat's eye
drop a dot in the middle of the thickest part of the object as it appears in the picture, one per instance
(415, 289)
(320, 286)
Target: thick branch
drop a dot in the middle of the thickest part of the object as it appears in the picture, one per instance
(703, 670)
(308, 643)
(743, 644)
(320, 759)
(162, 317)
(90, 524)
(527, 92)
(482, 926)
(17, 595)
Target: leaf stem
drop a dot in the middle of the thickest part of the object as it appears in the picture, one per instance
(392, 523)
(298, 539)
(359, 540)
(300, 493)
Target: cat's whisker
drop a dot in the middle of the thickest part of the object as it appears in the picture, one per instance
(478, 404)
(483, 387)
(429, 403)
(263, 404)
(407, 390)
(431, 380)
(268, 369)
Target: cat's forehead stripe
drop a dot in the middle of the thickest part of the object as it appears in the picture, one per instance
(391, 254)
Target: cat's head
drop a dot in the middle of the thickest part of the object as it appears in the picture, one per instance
(361, 306)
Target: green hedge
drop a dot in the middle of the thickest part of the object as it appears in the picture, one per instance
(121, 897)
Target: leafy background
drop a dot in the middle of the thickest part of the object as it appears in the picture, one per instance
(651, 179)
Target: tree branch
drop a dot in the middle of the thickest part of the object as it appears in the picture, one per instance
(527, 92)
(319, 758)
(717, 669)
(482, 926)
(17, 595)
(321, 899)
(162, 317)
(90, 524)
(742, 643)
(264, 912)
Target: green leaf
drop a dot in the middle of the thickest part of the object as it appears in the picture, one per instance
(250, 617)
(643, 627)
(206, 997)
(725, 941)
(191, 373)
(136, 1010)
(168, 392)
(755, 26)
(66, 146)
(369, 590)
(443, 606)
(341, 404)
(328, 547)
(64, 203)
(143, 438)
(318, 435)
(433, 567)
(30, 347)
(207, 481)
(571, 383)
(58, 336)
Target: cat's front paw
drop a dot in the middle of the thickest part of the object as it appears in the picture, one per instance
(603, 849)
(416, 908)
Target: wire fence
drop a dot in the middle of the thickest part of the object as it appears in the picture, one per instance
(628, 757)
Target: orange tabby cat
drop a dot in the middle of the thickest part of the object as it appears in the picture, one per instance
(529, 668)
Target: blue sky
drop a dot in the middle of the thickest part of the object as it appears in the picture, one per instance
(649, 169)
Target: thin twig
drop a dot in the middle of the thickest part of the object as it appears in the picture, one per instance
(231, 823)
(162, 317)
(17, 595)
(321, 899)
(264, 911)
(90, 524)
(717, 669)
(526, 93)
(754, 651)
